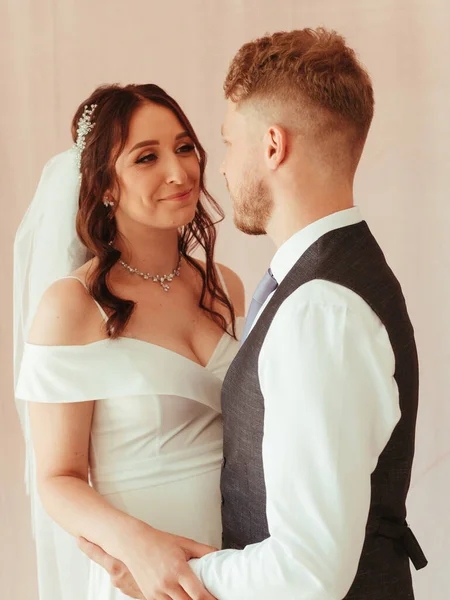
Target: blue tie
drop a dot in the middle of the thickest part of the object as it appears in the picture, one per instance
(265, 288)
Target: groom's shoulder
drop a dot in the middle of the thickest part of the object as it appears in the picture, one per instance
(325, 295)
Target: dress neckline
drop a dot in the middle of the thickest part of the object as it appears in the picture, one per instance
(147, 344)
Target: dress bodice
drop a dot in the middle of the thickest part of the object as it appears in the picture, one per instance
(157, 413)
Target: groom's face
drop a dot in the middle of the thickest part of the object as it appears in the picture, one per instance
(242, 168)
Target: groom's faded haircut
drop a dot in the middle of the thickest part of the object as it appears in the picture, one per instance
(311, 79)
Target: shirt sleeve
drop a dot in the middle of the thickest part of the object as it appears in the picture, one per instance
(326, 371)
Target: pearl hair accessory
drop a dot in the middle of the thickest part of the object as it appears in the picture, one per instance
(85, 126)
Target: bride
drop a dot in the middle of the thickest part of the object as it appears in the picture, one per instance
(120, 363)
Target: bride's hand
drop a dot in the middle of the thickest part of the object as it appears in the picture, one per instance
(158, 563)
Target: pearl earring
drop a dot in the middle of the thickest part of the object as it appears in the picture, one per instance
(107, 202)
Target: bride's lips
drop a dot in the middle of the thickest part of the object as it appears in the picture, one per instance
(181, 196)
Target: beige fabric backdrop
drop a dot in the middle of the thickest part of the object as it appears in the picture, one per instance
(53, 53)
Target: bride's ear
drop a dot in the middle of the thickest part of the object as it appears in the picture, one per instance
(112, 194)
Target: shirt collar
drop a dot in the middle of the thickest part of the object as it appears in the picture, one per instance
(289, 253)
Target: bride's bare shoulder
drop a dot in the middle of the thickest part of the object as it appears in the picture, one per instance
(234, 285)
(235, 289)
(66, 315)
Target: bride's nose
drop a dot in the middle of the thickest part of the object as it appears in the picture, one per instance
(175, 171)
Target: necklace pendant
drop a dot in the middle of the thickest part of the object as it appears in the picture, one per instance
(163, 280)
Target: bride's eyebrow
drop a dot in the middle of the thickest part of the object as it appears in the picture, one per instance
(181, 135)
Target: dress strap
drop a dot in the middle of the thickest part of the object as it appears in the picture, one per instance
(102, 312)
(222, 281)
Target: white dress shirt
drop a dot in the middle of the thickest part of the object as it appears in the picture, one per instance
(326, 371)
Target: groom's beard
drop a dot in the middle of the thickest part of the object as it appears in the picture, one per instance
(253, 206)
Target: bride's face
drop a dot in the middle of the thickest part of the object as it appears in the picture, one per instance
(158, 171)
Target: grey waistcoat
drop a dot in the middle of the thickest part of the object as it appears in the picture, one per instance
(351, 257)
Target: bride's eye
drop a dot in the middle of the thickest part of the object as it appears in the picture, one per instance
(147, 158)
(186, 148)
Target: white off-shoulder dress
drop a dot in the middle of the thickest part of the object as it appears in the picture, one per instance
(156, 437)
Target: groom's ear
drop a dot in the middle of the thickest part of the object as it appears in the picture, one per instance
(275, 143)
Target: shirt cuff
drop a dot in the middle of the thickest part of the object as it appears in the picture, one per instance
(196, 566)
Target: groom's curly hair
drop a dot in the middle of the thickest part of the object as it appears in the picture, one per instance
(96, 226)
(313, 74)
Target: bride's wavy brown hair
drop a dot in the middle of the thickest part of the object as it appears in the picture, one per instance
(97, 228)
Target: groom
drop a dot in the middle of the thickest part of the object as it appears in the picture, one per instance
(320, 403)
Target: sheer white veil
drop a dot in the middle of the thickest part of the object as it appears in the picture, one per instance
(46, 248)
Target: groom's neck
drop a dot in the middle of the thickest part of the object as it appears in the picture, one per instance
(294, 210)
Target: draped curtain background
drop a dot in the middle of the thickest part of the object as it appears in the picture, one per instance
(52, 55)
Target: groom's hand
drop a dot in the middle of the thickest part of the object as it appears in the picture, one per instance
(121, 578)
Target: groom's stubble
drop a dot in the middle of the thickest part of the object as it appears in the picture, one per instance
(252, 204)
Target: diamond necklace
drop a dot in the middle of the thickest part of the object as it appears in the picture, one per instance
(156, 278)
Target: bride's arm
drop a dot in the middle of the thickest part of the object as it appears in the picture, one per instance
(61, 434)
(61, 443)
